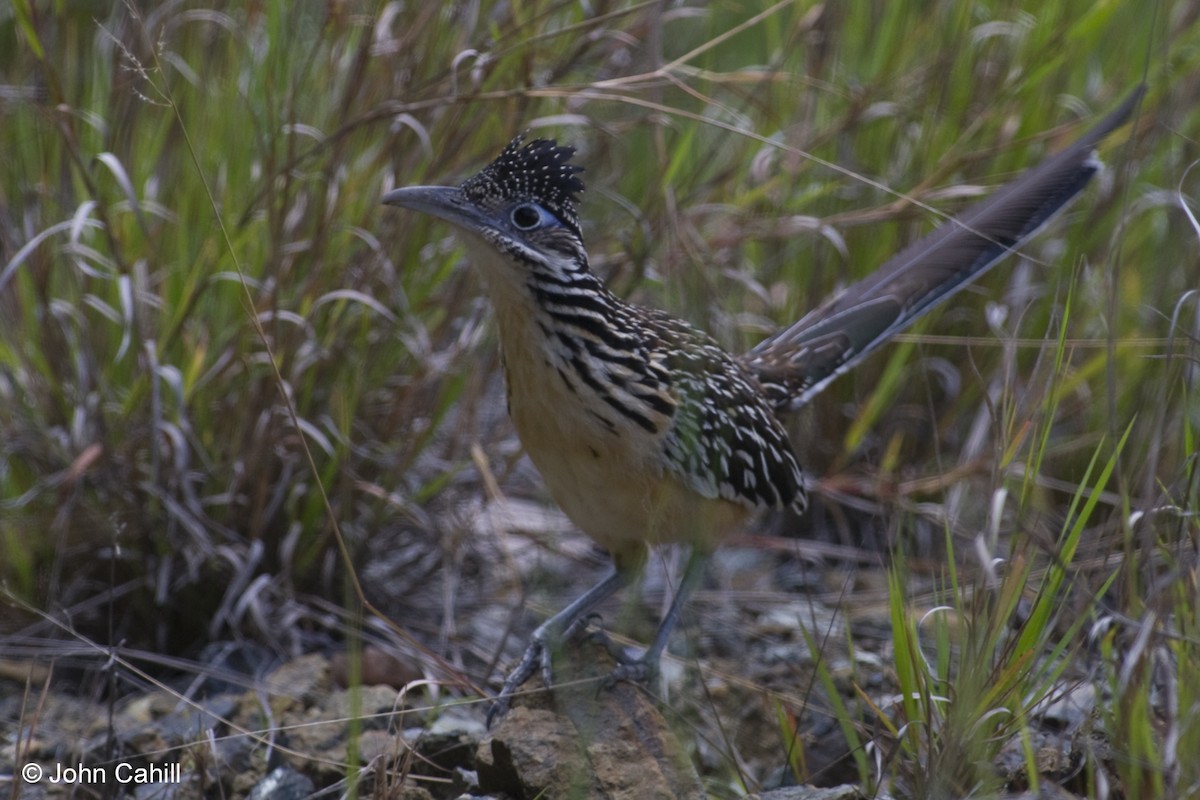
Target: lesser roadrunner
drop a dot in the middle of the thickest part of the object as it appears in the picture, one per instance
(644, 429)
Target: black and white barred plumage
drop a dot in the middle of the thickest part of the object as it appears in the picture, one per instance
(637, 365)
(644, 429)
(643, 372)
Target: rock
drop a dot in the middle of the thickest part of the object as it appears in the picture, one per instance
(299, 683)
(282, 783)
(580, 740)
(846, 792)
(376, 667)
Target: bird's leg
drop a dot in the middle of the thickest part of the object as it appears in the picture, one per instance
(549, 634)
(645, 668)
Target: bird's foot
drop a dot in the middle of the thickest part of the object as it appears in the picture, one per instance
(536, 654)
(634, 665)
(576, 630)
(643, 670)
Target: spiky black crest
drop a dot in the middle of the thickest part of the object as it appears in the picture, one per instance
(540, 172)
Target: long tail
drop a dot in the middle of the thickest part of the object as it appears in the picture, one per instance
(797, 363)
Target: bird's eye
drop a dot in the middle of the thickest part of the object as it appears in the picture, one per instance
(526, 216)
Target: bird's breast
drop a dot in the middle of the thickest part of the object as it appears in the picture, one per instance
(598, 442)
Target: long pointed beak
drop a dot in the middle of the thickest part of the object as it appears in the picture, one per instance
(443, 202)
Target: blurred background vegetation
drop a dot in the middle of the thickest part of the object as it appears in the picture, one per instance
(174, 175)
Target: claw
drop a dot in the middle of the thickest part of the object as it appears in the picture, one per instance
(641, 670)
(537, 652)
(561, 627)
(547, 665)
(575, 630)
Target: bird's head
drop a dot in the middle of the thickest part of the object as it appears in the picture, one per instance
(521, 207)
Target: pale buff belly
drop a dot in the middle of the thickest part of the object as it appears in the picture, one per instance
(608, 478)
(613, 485)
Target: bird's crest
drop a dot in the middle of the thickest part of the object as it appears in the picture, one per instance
(540, 172)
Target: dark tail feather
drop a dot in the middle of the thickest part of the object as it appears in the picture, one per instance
(797, 363)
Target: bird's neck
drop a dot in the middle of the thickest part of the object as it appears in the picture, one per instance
(568, 343)
(545, 309)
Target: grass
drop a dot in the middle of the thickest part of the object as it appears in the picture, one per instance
(190, 232)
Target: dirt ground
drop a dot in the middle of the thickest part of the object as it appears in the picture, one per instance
(740, 707)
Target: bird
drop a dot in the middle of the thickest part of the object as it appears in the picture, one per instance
(644, 429)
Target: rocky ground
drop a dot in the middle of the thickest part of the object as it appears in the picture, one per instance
(298, 733)
(741, 706)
